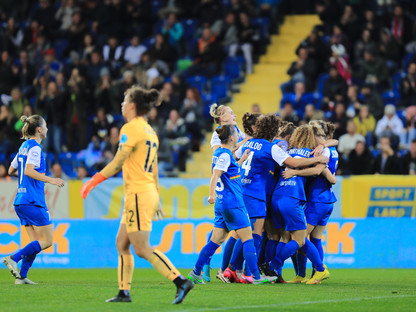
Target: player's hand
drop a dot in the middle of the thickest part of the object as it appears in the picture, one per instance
(88, 186)
(288, 173)
(322, 159)
(58, 182)
(245, 155)
(211, 199)
(318, 150)
(159, 213)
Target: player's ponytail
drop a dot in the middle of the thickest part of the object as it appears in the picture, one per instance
(143, 99)
(216, 111)
(287, 129)
(330, 130)
(30, 124)
(249, 121)
(303, 137)
(225, 132)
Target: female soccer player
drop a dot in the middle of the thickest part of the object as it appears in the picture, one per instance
(30, 202)
(288, 203)
(230, 213)
(137, 156)
(320, 198)
(223, 115)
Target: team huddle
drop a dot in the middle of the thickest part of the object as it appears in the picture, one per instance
(268, 209)
(272, 189)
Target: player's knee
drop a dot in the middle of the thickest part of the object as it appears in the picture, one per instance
(46, 243)
(143, 252)
(300, 242)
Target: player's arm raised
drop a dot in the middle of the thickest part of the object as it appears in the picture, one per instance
(108, 171)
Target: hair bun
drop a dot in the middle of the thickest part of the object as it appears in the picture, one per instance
(152, 95)
(23, 119)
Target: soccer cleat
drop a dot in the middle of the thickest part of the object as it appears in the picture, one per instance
(222, 278)
(318, 277)
(231, 275)
(266, 271)
(264, 280)
(197, 279)
(182, 291)
(121, 297)
(246, 279)
(298, 280)
(12, 266)
(280, 280)
(22, 281)
(206, 273)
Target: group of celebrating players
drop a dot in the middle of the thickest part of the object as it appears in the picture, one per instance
(269, 207)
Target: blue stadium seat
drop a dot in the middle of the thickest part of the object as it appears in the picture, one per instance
(156, 6)
(321, 83)
(148, 42)
(263, 24)
(2, 158)
(59, 47)
(198, 82)
(222, 78)
(397, 78)
(158, 26)
(69, 163)
(189, 28)
(232, 67)
(219, 88)
(406, 60)
(389, 98)
(208, 99)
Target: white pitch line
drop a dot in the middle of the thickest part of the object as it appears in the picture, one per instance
(287, 304)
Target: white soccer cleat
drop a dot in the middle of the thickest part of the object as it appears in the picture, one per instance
(12, 266)
(222, 278)
(197, 279)
(22, 281)
(264, 280)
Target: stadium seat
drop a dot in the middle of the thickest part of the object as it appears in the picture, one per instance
(148, 42)
(208, 99)
(156, 6)
(232, 67)
(198, 82)
(219, 88)
(189, 28)
(263, 24)
(389, 98)
(321, 83)
(222, 78)
(59, 47)
(397, 78)
(69, 163)
(2, 158)
(406, 60)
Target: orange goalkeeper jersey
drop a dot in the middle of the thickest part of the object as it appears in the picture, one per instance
(138, 168)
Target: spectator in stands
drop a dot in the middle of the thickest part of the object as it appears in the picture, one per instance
(373, 99)
(191, 112)
(389, 49)
(6, 73)
(335, 87)
(57, 172)
(76, 31)
(409, 160)
(18, 103)
(105, 93)
(311, 113)
(371, 21)
(348, 141)
(340, 61)
(316, 49)
(147, 72)
(339, 38)
(24, 74)
(174, 31)
(110, 20)
(408, 87)
(9, 137)
(101, 125)
(226, 32)
(113, 55)
(207, 55)
(52, 104)
(287, 113)
(77, 112)
(387, 161)
(175, 133)
(61, 82)
(339, 119)
(86, 49)
(255, 109)
(365, 124)
(360, 160)
(303, 70)
(163, 53)
(109, 148)
(138, 18)
(155, 122)
(11, 37)
(366, 42)
(170, 101)
(248, 37)
(373, 70)
(38, 49)
(64, 14)
(401, 26)
(390, 126)
(82, 172)
(94, 69)
(329, 12)
(50, 66)
(179, 86)
(409, 130)
(207, 11)
(45, 15)
(353, 103)
(350, 23)
(134, 51)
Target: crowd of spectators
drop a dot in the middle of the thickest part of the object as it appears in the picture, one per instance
(72, 60)
(358, 70)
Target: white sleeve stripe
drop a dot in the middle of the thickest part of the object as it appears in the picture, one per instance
(223, 162)
(33, 156)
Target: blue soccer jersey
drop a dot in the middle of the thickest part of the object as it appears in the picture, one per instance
(259, 166)
(229, 190)
(30, 191)
(273, 175)
(215, 140)
(295, 186)
(320, 190)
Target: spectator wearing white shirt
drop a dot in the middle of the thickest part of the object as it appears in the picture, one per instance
(348, 141)
(390, 125)
(134, 52)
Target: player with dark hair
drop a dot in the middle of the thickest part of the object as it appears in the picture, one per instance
(230, 212)
(29, 204)
(137, 156)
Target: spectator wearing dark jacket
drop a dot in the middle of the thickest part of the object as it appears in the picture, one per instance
(387, 161)
(360, 160)
(409, 160)
(304, 70)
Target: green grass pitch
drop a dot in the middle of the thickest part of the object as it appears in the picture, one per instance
(87, 289)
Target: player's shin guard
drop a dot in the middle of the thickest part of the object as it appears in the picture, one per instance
(26, 264)
(163, 265)
(318, 244)
(251, 257)
(125, 271)
(313, 255)
(205, 254)
(237, 257)
(228, 251)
